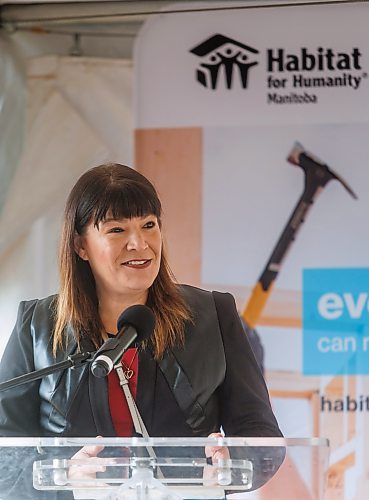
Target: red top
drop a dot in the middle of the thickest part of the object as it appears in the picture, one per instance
(119, 411)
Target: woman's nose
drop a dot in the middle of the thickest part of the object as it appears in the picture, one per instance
(136, 241)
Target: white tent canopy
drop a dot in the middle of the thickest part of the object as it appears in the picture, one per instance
(79, 115)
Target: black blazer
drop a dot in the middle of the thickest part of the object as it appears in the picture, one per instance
(213, 381)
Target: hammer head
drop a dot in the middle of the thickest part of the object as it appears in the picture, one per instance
(316, 172)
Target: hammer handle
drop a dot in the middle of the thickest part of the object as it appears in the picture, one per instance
(317, 175)
(263, 287)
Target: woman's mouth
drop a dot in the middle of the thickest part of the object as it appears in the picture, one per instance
(137, 263)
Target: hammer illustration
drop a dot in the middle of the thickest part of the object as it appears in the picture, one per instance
(317, 176)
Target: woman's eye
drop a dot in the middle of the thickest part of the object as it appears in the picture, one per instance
(150, 224)
(116, 230)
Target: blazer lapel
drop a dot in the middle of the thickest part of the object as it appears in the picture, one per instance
(181, 389)
(99, 398)
(98, 393)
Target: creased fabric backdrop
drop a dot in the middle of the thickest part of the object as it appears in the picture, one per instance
(79, 114)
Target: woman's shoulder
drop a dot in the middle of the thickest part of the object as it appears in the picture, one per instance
(201, 300)
(36, 311)
(199, 296)
(45, 304)
(40, 302)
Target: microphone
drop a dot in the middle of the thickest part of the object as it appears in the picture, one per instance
(135, 323)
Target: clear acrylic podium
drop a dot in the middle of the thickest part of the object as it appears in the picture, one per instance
(163, 468)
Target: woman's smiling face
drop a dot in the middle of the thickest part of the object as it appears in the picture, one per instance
(124, 255)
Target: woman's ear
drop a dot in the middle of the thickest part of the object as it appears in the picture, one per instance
(79, 246)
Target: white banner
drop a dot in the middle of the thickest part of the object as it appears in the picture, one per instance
(221, 98)
(282, 66)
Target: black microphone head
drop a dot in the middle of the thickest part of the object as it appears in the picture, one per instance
(141, 318)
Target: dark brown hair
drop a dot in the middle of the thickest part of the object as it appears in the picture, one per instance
(123, 193)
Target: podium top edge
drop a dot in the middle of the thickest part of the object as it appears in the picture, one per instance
(164, 441)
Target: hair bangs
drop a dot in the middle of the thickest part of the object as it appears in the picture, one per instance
(126, 202)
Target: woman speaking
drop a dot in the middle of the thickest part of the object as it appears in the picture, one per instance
(193, 376)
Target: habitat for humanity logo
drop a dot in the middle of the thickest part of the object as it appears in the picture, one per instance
(223, 59)
(302, 75)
